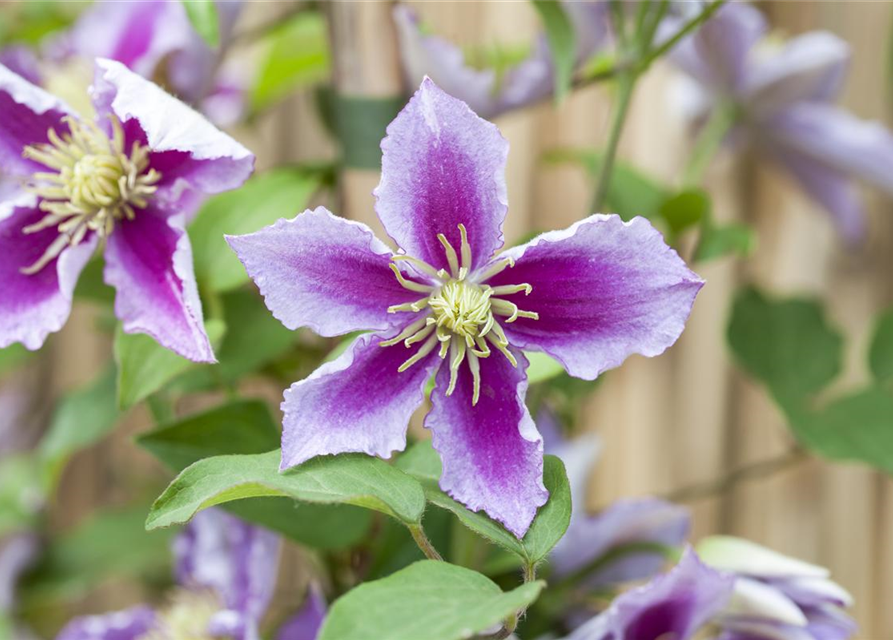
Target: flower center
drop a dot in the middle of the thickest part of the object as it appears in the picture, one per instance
(459, 312)
(92, 183)
(187, 617)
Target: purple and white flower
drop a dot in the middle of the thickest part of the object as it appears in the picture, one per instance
(486, 91)
(784, 100)
(449, 306)
(673, 605)
(155, 39)
(226, 571)
(129, 182)
(635, 531)
(777, 596)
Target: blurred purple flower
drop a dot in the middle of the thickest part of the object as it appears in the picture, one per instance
(674, 605)
(17, 552)
(227, 572)
(155, 39)
(21, 60)
(128, 181)
(777, 596)
(592, 295)
(784, 98)
(625, 529)
(305, 624)
(484, 90)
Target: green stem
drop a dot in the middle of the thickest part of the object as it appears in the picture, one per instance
(686, 29)
(626, 84)
(418, 534)
(512, 623)
(612, 556)
(708, 143)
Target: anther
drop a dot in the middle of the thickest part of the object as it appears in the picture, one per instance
(409, 284)
(452, 258)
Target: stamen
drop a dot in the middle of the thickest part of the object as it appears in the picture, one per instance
(416, 306)
(423, 351)
(503, 348)
(509, 289)
(421, 335)
(409, 284)
(465, 250)
(496, 268)
(475, 366)
(452, 259)
(421, 265)
(506, 308)
(406, 333)
(483, 350)
(457, 356)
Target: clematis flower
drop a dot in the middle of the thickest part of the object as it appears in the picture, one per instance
(625, 531)
(128, 182)
(487, 91)
(674, 605)
(155, 39)
(777, 596)
(226, 571)
(784, 98)
(449, 306)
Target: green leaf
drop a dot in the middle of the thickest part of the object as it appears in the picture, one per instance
(631, 193)
(786, 344)
(203, 16)
(346, 479)
(297, 56)
(858, 427)
(321, 526)
(685, 210)
(880, 355)
(91, 284)
(719, 241)
(144, 366)
(542, 367)
(12, 356)
(242, 427)
(22, 493)
(428, 600)
(423, 463)
(562, 43)
(81, 419)
(280, 193)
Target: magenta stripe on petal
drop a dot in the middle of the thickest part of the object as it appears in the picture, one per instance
(492, 453)
(603, 289)
(356, 403)
(33, 306)
(324, 272)
(149, 262)
(442, 166)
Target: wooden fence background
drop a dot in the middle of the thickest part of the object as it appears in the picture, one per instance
(683, 418)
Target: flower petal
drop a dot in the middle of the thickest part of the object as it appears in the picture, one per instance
(21, 59)
(828, 187)
(129, 624)
(492, 453)
(751, 559)
(305, 624)
(625, 522)
(149, 262)
(604, 289)
(33, 306)
(860, 148)
(809, 67)
(442, 166)
(674, 605)
(209, 161)
(29, 113)
(716, 53)
(324, 272)
(356, 403)
(240, 562)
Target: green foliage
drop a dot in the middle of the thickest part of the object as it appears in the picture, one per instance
(91, 285)
(880, 356)
(346, 479)
(297, 55)
(429, 599)
(281, 193)
(787, 344)
(719, 241)
(144, 366)
(542, 367)
(12, 356)
(21, 492)
(684, 210)
(241, 427)
(562, 43)
(205, 20)
(82, 418)
(423, 463)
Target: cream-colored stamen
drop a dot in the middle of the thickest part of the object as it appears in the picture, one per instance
(92, 184)
(460, 312)
(187, 617)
